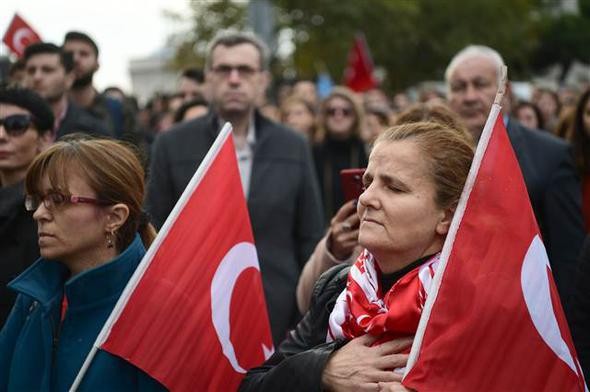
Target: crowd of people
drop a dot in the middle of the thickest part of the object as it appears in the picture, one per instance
(74, 214)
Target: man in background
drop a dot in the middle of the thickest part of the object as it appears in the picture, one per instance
(274, 163)
(49, 72)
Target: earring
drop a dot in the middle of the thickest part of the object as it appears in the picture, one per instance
(109, 239)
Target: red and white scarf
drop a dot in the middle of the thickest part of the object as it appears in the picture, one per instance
(362, 307)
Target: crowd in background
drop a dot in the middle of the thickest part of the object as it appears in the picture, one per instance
(338, 128)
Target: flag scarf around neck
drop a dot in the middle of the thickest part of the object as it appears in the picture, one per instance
(363, 308)
(194, 317)
(493, 320)
(19, 35)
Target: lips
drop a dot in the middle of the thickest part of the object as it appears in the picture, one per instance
(4, 154)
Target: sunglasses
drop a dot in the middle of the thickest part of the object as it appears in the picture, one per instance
(16, 124)
(343, 111)
(54, 200)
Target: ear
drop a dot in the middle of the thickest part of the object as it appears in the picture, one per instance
(45, 140)
(265, 79)
(442, 228)
(116, 216)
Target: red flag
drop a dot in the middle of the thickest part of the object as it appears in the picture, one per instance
(358, 75)
(19, 35)
(194, 315)
(493, 320)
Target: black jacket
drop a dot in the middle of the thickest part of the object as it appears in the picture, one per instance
(18, 242)
(283, 201)
(78, 120)
(300, 360)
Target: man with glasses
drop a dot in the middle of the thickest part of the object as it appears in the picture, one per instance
(26, 122)
(275, 168)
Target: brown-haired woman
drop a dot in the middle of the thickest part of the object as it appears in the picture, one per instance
(413, 182)
(86, 196)
(338, 144)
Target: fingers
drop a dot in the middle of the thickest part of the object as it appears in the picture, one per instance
(392, 361)
(365, 340)
(347, 209)
(396, 345)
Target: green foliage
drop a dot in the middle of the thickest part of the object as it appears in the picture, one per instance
(411, 40)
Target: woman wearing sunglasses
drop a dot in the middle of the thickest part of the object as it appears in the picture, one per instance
(25, 130)
(338, 145)
(86, 197)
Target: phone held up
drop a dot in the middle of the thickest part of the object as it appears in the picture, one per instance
(352, 183)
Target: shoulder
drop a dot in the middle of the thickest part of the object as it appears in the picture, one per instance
(186, 131)
(537, 139)
(330, 284)
(279, 133)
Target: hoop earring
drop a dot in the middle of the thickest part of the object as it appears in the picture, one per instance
(110, 243)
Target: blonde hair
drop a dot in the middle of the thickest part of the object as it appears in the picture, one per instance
(348, 95)
(109, 167)
(448, 151)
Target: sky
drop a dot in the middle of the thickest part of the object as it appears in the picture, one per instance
(123, 29)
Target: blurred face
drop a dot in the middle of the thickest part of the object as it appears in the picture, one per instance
(472, 90)
(547, 105)
(235, 79)
(194, 112)
(18, 151)
(400, 221)
(297, 116)
(340, 117)
(189, 89)
(586, 117)
(372, 128)
(85, 61)
(526, 116)
(45, 74)
(307, 90)
(71, 233)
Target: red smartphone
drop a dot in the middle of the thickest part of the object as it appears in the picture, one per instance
(352, 183)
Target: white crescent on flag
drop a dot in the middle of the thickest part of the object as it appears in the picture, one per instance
(239, 258)
(20, 38)
(537, 296)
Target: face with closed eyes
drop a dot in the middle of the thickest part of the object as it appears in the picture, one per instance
(400, 219)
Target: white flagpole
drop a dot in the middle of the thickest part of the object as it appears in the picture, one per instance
(151, 252)
(454, 228)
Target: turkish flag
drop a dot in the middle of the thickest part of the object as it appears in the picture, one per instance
(19, 35)
(194, 317)
(493, 320)
(358, 75)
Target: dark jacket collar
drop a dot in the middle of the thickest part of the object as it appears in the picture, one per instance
(46, 279)
(261, 125)
(11, 199)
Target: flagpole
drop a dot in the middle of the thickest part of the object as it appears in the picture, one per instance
(454, 228)
(151, 252)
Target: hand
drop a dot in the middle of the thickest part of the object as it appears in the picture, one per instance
(344, 231)
(358, 366)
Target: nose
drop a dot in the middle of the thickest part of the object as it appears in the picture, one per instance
(369, 197)
(3, 133)
(41, 213)
(234, 76)
(470, 93)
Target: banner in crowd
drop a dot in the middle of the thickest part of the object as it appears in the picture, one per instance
(19, 35)
(358, 75)
(493, 319)
(194, 315)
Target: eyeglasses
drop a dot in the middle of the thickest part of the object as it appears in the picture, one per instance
(16, 124)
(244, 71)
(344, 111)
(54, 200)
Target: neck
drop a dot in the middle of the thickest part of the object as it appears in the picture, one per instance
(85, 262)
(389, 263)
(11, 177)
(83, 96)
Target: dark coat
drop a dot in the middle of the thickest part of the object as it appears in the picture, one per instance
(78, 120)
(18, 242)
(554, 189)
(283, 201)
(299, 362)
(579, 316)
(38, 353)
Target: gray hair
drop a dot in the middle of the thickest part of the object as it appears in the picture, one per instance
(233, 38)
(475, 51)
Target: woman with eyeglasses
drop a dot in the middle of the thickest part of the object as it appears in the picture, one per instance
(338, 145)
(86, 197)
(25, 130)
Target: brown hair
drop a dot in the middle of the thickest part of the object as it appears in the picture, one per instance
(449, 152)
(109, 167)
(347, 94)
(433, 112)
